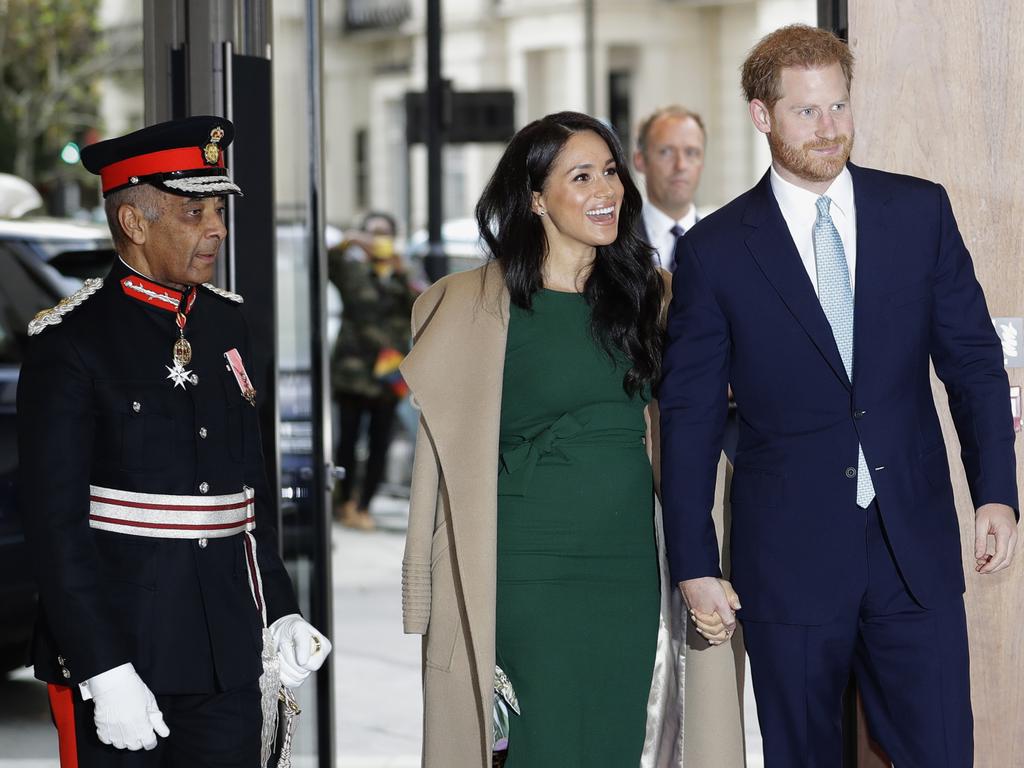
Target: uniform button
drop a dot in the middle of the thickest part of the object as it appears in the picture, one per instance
(136, 406)
(65, 673)
(203, 543)
(851, 471)
(204, 487)
(202, 432)
(859, 414)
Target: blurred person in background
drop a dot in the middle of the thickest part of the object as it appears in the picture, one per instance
(670, 155)
(532, 557)
(377, 297)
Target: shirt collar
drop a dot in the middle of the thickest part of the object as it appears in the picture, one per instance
(658, 222)
(797, 202)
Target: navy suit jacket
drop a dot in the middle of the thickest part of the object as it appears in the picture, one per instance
(744, 312)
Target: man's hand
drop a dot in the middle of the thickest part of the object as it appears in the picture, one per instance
(300, 648)
(126, 713)
(712, 603)
(996, 520)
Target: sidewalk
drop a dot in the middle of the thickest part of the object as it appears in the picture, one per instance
(377, 667)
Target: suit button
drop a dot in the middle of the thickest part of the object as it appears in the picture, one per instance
(204, 487)
(202, 432)
(203, 543)
(136, 406)
(851, 471)
(66, 674)
(60, 660)
(859, 414)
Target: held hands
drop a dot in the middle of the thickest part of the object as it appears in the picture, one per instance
(996, 520)
(126, 712)
(712, 603)
(300, 648)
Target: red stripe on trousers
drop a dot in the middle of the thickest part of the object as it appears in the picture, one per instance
(62, 705)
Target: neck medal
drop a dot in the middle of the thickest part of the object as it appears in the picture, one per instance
(178, 302)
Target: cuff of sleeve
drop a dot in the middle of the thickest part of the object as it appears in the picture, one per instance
(416, 592)
(108, 679)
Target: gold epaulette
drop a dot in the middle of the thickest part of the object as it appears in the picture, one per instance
(54, 315)
(225, 294)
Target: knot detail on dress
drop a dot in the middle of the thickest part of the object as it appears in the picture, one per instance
(517, 462)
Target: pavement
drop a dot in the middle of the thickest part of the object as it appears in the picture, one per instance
(377, 667)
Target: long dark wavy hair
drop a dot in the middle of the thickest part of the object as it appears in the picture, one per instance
(623, 289)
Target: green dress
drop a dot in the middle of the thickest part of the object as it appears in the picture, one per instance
(578, 587)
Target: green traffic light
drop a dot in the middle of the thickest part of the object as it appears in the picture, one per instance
(70, 153)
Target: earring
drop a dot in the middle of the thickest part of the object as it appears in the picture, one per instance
(541, 212)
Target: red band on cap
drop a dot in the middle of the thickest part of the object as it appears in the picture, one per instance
(165, 161)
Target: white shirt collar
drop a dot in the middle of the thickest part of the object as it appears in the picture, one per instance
(797, 203)
(658, 222)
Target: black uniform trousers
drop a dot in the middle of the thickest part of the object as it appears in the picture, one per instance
(911, 665)
(213, 730)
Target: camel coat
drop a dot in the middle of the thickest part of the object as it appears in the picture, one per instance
(455, 372)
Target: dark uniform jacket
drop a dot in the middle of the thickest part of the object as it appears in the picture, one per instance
(375, 316)
(95, 406)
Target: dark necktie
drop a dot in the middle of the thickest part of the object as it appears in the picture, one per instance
(678, 233)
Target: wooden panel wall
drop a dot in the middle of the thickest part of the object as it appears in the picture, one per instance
(938, 93)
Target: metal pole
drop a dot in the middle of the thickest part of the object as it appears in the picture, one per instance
(436, 262)
(588, 55)
(320, 599)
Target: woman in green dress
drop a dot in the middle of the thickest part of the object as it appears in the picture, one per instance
(531, 564)
(577, 570)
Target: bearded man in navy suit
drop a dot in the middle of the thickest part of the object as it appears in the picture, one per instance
(821, 296)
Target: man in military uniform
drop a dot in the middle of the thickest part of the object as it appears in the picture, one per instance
(164, 606)
(377, 297)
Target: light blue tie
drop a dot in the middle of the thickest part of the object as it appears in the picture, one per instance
(836, 299)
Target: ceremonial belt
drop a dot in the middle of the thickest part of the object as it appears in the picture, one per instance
(169, 516)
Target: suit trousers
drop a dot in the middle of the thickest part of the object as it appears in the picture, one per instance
(214, 730)
(911, 665)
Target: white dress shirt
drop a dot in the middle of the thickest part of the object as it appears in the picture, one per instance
(659, 229)
(799, 209)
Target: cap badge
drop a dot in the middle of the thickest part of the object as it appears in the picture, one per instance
(211, 152)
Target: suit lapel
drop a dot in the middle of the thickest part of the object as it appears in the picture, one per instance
(773, 249)
(874, 261)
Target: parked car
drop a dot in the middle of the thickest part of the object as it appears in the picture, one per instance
(41, 260)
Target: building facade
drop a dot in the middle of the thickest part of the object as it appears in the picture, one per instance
(645, 54)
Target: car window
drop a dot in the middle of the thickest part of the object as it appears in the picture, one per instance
(22, 295)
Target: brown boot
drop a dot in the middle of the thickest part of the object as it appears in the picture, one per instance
(346, 514)
(365, 520)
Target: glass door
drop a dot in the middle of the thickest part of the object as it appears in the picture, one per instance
(304, 428)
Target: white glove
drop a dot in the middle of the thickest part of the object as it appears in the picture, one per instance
(126, 713)
(300, 648)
